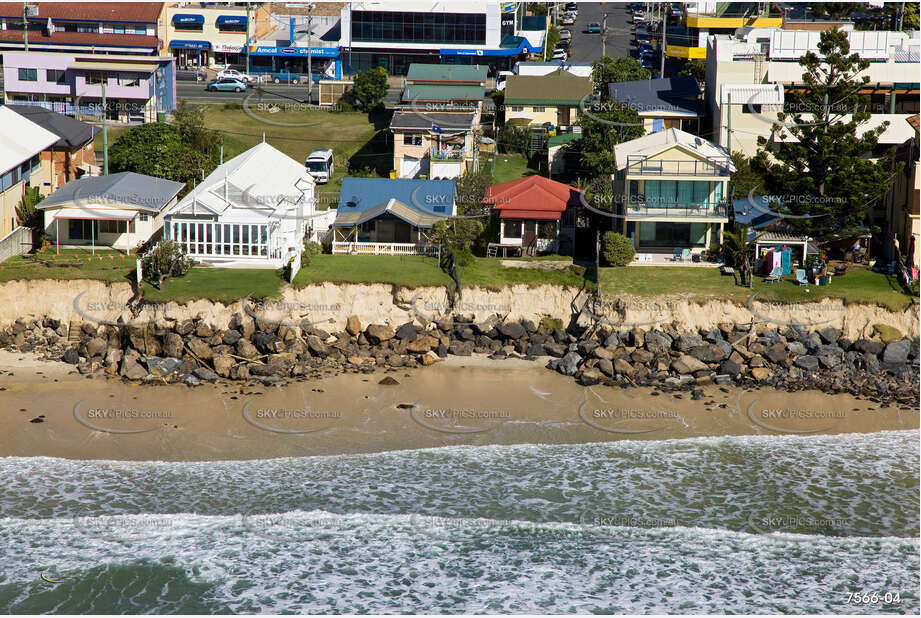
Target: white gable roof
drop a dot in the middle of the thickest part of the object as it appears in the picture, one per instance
(654, 143)
(21, 139)
(262, 179)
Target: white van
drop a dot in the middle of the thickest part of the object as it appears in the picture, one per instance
(319, 164)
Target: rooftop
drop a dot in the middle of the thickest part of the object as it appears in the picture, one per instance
(557, 88)
(72, 133)
(123, 189)
(22, 139)
(532, 197)
(417, 201)
(418, 120)
(675, 95)
(134, 12)
(443, 93)
(87, 39)
(451, 73)
(655, 143)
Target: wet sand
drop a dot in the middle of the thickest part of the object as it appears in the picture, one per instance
(462, 401)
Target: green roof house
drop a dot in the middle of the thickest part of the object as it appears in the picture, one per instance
(537, 99)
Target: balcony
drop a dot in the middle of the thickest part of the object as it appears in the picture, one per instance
(639, 208)
(642, 166)
(448, 154)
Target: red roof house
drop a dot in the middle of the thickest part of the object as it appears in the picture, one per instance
(530, 210)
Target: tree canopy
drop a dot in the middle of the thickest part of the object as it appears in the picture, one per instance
(606, 70)
(823, 176)
(370, 88)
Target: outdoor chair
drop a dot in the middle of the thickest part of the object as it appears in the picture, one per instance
(676, 255)
(774, 276)
(801, 277)
(685, 255)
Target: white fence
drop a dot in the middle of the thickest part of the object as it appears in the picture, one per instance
(319, 225)
(17, 242)
(385, 248)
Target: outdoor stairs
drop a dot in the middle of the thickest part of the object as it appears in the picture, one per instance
(492, 251)
(74, 332)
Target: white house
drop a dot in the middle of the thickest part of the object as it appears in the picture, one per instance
(119, 211)
(254, 209)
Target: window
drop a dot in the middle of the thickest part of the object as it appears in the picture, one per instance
(412, 140)
(129, 79)
(95, 77)
(418, 27)
(751, 108)
(120, 29)
(187, 27)
(112, 227)
(28, 75)
(539, 108)
(224, 27)
(144, 217)
(516, 108)
(512, 229)
(54, 75)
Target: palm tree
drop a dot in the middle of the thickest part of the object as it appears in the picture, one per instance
(737, 245)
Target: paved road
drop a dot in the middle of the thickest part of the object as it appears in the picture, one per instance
(586, 48)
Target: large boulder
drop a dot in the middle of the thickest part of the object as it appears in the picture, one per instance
(687, 341)
(777, 353)
(730, 367)
(353, 325)
(623, 367)
(93, 347)
(708, 353)
(172, 345)
(132, 369)
(422, 344)
(378, 333)
(569, 364)
(896, 352)
(231, 337)
(223, 364)
(657, 343)
(162, 367)
(512, 330)
(247, 349)
(71, 356)
(687, 364)
(200, 349)
(869, 346)
(317, 347)
(807, 362)
(606, 367)
(406, 332)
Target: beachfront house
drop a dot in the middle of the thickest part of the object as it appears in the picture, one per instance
(435, 125)
(21, 145)
(72, 155)
(671, 192)
(120, 211)
(383, 216)
(534, 214)
(554, 99)
(253, 210)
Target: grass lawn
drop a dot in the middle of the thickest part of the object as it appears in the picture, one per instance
(509, 167)
(106, 265)
(413, 271)
(226, 285)
(858, 285)
(352, 136)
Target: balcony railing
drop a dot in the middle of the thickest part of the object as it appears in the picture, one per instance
(643, 166)
(640, 209)
(447, 154)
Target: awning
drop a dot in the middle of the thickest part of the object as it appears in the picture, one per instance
(96, 215)
(188, 19)
(189, 45)
(231, 20)
(136, 67)
(538, 215)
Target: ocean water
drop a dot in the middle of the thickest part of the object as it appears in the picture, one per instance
(752, 524)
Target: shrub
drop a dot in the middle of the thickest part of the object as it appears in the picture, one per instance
(166, 259)
(465, 257)
(617, 250)
(310, 249)
(513, 140)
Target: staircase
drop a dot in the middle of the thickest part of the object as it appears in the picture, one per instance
(74, 332)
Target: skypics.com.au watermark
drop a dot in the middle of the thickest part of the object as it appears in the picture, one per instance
(289, 421)
(116, 420)
(262, 310)
(428, 311)
(625, 421)
(458, 420)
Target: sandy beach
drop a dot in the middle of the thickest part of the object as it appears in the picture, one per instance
(462, 401)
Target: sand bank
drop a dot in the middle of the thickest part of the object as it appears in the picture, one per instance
(463, 401)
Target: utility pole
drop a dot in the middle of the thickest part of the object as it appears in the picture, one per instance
(662, 23)
(247, 36)
(105, 132)
(309, 54)
(604, 31)
(25, 28)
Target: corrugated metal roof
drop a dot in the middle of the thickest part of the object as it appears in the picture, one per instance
(559, 87)
(754, 94)
(425, 120)
(22, 139)
(374, 196)
(446, 73)
(443, 92)
(138, 67)
(129, 189)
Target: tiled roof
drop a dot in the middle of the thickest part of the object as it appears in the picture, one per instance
(133, 12)
(531, 197)
(85, 39)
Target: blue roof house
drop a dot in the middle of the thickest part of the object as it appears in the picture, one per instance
(381, 216)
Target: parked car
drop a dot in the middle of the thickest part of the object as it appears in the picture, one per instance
(565, 34)
(594, 28)
(642, 34)
(567, 20)
(648, 62)
(235, 74)
(560, 54)
(639, 18)
(226, 84)
(572, 6)
(646, 48)
(563, 44)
